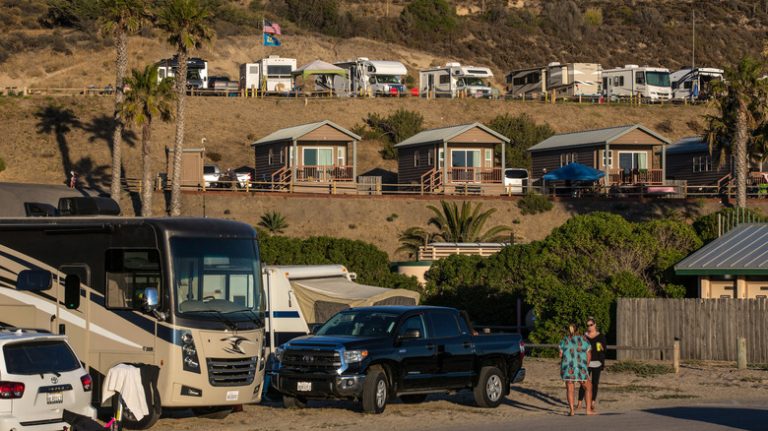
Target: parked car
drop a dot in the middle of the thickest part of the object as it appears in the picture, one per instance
(515, 180)
(232, 177)
(372, 353)
(41, 377)
(211, 176)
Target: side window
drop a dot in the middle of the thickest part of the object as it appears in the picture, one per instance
(128, 273)
(413, 322)
(640, 78)
(416, 157)
(444, 325)
(444, 79)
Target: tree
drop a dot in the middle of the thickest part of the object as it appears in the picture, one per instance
(742, 102)
(414, 238)
(429, 20)
(188, 25)
(146, 100)
(120, 18)
(273, 222)
(523, 133)
(465, 224)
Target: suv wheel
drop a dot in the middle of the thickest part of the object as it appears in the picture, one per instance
(294, 402)
(375, 391)
(489, 391)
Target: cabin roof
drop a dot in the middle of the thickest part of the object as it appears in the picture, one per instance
(444, 134)
(296, 132)
(741, 251)
(588, 138)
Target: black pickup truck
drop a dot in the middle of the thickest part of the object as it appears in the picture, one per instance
(371, 354)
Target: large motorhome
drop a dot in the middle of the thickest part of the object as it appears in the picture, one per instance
(453, 80)
(197, 71)
(574, 79)
(694, 83)
(635, 81)
(271, 75)
(184, 294)
(527, 83)
(370, 78)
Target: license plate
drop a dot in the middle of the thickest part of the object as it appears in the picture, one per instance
(233, 395)
(304, 386)
(54, 397)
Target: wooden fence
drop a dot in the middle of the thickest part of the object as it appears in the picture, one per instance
(708, 329)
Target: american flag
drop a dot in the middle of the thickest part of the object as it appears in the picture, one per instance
(272, 27)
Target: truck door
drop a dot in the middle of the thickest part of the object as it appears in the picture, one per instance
(419, 363)
(455, 351)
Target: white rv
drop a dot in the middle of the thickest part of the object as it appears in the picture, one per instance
(527, 83)
(694, 83)
(370, 78)
(197, 71)
(271, 75)
(453, 79)
(574, 79)
(632, 80)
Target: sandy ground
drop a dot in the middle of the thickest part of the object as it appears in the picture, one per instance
(542, 393)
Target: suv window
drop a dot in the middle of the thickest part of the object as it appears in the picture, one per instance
(413, 322)
(444, 325)
(37, 357)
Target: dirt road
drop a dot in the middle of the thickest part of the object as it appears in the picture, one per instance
(540, 397)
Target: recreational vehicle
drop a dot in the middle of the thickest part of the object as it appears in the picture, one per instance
(370, 78)
(184, 294)
(635, 81)
(527, 83)
(271, 75)
(197, 71)
(454, 80)
(574, 79)
(688, 83)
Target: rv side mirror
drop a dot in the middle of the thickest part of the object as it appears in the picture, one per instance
(150, 299)
(34, 280)
(411, 334)
(72, 292)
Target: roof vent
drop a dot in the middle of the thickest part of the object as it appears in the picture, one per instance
(631, 66)
(362, 58)
(554, 63)
(453, 64)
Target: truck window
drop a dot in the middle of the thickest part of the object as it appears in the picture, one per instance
(444, 325)
(411, 323)
(129, 272)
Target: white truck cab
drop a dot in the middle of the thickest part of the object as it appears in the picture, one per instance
(40, 377)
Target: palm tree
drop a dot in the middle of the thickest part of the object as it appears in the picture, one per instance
(465, 224)
(414, 238)
(187, 24)
(146, 100)
(273, 222)
(742, 102)
(120, 18)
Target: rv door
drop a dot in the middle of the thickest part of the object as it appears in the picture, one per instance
(72, 306)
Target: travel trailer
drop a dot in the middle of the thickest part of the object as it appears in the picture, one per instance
(574, 79)
(271, 75)
(184, 294)
(197, 71)
(453, 80)
(527, 83)
(370, 78)
(694, 83)
(634, 81)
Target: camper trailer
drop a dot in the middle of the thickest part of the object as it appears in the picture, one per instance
(527, 83)
(184, 294)
(574, 79)
(271, 75)
(370, 78)
(694, 83)
(635, 81)
(197, 71)
(454, 80)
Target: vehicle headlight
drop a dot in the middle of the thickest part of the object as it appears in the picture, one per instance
(351, 356)
(279, 353)
(189, 359)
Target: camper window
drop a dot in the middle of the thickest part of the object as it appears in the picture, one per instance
(387, 79)
(445, 79)
(279, 71)
(128, 273)
(688, 85)
(640, 78)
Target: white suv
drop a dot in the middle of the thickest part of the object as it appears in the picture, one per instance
(40, 377)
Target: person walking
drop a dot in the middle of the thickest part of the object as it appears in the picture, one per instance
(597, 362)
(574, 359)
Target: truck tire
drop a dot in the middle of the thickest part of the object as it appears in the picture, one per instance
(294, 402)
(130, 422)
(375, 391)
(489, 391)
(413, 398)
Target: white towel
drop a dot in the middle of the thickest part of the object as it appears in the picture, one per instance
(126, 379)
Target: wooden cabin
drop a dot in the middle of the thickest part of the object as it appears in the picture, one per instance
(629, 155)
(689, 159)
(456, 159)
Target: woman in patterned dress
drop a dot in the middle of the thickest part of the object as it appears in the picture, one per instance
(575, 354)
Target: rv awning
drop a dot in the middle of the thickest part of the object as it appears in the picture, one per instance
(574, 172)
(318, 67)
(321, 298)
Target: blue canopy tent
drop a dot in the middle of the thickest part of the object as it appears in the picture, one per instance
(574, 172)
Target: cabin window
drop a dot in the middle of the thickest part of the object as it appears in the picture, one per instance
(445, 79)
(609, 161)
(631, 160)
(317, 156)
(702, 164)
(129, 272)
(341, 156)
(488, 158)
(270, 157)
(465, 158)
(568, 158)
(440, 158)
(282, 157)
(416, 159)
(430, 158)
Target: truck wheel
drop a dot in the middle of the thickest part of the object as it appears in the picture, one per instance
(130, 422)
(489, 390)
(375, 391)
(413, 398)
(294, 402)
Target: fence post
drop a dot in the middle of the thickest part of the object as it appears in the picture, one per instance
(676, 355)
(741, 358)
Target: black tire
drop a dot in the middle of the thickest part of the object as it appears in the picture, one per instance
(413, 398)
(294, 402)
(212, 412)
(129, 420)
(489, 391)
(375, 391)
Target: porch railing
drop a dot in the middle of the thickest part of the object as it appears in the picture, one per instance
(636, 176)
(309, 173)
(474, 175)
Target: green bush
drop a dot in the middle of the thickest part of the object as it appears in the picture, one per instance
(2, 164)
(394, 128)
(707, 226)
(534, 203)
(428, 20)
(523, 133)
(320, 15)
(593, 17)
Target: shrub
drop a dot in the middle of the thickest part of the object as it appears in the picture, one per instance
(523, 133)
(593, 17)
(2, 164)
(707, 226)
(273, 222)
(320, 15)
(534, 203)
(429, 20)
(213, 156)
(395, 127)
(665, 126)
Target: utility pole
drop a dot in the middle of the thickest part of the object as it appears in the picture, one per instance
(693, 45)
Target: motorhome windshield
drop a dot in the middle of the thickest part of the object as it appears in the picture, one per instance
(473, 82)
(659, 79)
(193, 74)
(216, 275)
(387, 79)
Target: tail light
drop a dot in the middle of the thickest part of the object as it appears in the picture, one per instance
(11, 390)
(522, 349)
(87, 382)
